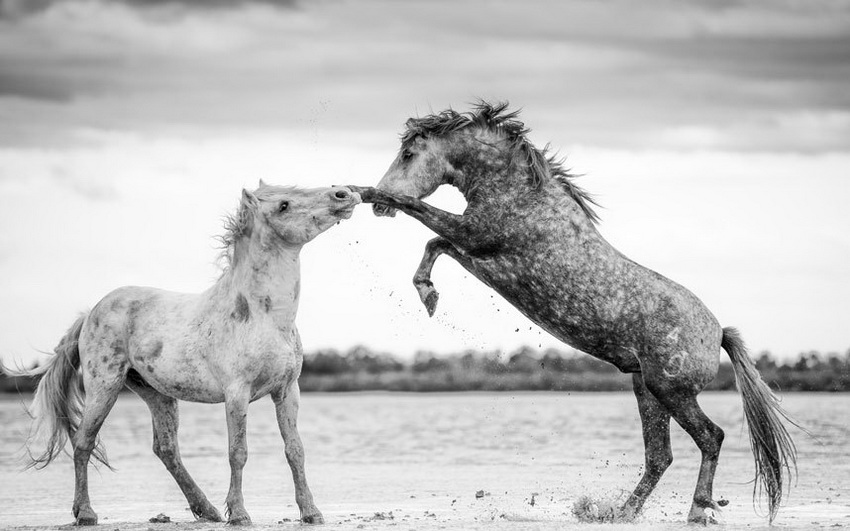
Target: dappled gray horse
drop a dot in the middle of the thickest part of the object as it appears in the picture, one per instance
(234, 343)
(529, 233)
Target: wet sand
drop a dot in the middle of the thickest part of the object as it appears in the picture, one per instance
(405, 461)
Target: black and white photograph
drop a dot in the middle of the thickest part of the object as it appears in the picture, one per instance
(424, 265)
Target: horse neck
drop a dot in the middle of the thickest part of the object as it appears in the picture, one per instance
(490, 174)
(484, 167)
(268, 278)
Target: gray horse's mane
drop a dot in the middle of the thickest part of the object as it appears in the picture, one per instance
(541, 164)
(240, 224)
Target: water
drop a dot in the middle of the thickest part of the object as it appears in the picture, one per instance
(423, 457)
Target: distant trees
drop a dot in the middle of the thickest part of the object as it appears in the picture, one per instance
(529, 369)
(526, 368)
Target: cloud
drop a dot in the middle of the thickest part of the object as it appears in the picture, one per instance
(17, 9)
(32, 86)
(736, 75)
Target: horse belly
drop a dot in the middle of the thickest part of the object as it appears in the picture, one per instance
(575, 320)
(175, 372)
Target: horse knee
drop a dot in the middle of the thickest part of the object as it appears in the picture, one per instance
(294, 453)
(166, 452)
(715, 441)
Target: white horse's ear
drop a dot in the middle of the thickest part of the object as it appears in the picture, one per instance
(261, 184)
(249, 199)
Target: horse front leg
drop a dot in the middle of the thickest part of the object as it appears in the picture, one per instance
(422, 278)
(236, 406)
(462, 231)
(287, 401)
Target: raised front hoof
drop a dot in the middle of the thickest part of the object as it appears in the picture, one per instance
(314, 518)
(85, 517)
(429, 297)
(705, 515)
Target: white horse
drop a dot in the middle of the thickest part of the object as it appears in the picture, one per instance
(233, 343)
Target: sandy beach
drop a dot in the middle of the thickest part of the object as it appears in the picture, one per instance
(406, 461)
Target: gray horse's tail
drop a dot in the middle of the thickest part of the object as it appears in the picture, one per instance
(58, 404)
(774, 451)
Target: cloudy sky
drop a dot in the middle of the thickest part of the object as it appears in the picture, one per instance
(716, 134)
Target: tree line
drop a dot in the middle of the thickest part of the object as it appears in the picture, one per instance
(525, 369)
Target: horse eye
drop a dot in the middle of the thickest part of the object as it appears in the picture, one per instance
(405, 155)
(283, 206)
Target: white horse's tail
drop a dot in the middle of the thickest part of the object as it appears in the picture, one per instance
(58, 404)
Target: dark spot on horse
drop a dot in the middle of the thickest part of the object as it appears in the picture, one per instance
(132, 316)
(297, 290)
(104, 359)
(267, 303)
(241, 312)
(149, 368)
(118, 346)
(92, 368)
(157, 350)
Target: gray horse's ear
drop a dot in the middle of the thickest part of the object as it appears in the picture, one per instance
(261, 184)
(249, 199)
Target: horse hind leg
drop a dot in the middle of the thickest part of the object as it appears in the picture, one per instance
(708, 436)
(655, 423)
(100, 397)
(165, 420)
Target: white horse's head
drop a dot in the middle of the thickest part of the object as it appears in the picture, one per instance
(294, 216)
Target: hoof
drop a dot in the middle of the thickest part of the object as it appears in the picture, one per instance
(431, 303)
(705, 515)
(205, 512)
(209, 516)
(429, 297)
(86, 519)
(427, 294)
(315, 518)
(627, 513)
(240, 518)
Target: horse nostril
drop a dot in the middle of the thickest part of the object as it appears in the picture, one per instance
(341, 194)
